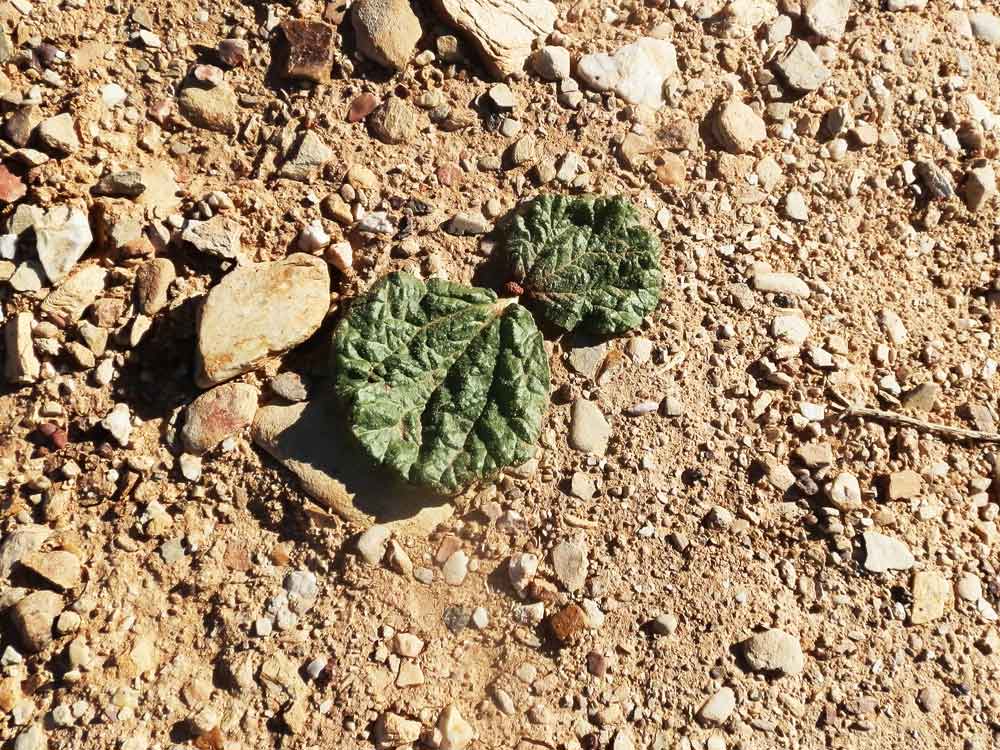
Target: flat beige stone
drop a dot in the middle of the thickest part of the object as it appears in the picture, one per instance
(308, 439)
(257, 312)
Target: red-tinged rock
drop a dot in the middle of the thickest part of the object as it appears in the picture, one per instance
(362, 106)
(448, 174)
(567, 623)
(234, 52)
(161, 111)
(208, 74)
(310, 50)
(12, 189)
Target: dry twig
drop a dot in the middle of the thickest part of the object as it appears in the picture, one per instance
(848, 410)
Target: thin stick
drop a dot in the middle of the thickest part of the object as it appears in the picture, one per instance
(848, 411)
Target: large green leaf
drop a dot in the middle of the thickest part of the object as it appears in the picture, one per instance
(443, 383)
(585, 262)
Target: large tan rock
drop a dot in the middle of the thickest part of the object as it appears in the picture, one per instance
(33, 617)
(258, 311)
(307, 438)
(502, 30)
(59, 567)
(387, 31)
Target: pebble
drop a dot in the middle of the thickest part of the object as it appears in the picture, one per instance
(306, 158)
(636, 72)
(372, 543)
(969, 587)
(795, 206)
(883, 553)
(234, 52)
(774, 651)
(58, 134)
(551, 63)
(291, 300)
(738, 128)
(394, 731)
(570, 562)
(456, 733)
(21, 365)
(801, 68)
(126, 184)
(65, 305)
(568, 623)
(32, 738)
(664, 624)
(466, 223)
(386, 31)
(152, 284)
(313, 238)
(310, 49)
(218, 236)
(361, 106)
(980, 187)
(212, 108)
(780, 283)
(62, 236)
(216, 415)
(394, 122)
(931, 596)
(502, 31)
(589, 431)
(456, 568)
(845, 492)
(33, 617)
(12, 187)
(826, 18)
(718, 708)
(521, 569)
(985, 27)
(118, 422)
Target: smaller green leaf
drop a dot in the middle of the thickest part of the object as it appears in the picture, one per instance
(585, 262)
(442, 383)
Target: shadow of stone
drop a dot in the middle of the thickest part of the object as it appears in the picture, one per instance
(311, 440)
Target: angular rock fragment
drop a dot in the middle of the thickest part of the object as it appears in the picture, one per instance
(258, 311)
(387, 31)
(310, 50)
(502, 30)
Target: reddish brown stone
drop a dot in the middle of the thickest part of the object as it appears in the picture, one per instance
(310, 50)
(448, 174)
(567, 623)
(11, 187)
(362, 106)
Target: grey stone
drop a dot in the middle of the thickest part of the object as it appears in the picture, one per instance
(883, 553)
(801, 67)
(551, 62)
(570, 562)
(589, 431)
(827, 18)
(985, 27)
(127, 184)
(218, 236)
(774, 651)
(718, 708)
(62, 236)
(309, 155)
(394, 122)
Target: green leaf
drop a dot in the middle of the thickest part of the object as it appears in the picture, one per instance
(585, 262)
(443, 383)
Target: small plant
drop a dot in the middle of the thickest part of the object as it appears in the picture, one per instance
(445, 384)
(585, 263)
